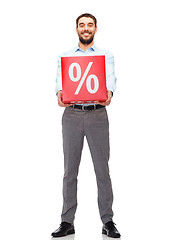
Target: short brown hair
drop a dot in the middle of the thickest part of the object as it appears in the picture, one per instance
(88, 15)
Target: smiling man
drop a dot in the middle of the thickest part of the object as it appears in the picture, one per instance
(86, 29)
(90, 121)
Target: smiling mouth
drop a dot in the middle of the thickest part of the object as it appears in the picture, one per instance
(86, 34)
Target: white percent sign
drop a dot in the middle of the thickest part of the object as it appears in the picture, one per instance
(78, 77)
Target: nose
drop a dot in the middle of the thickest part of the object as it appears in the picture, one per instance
(86, 27)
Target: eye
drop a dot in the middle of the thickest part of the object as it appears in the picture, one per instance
(90, 24)
(81, 25)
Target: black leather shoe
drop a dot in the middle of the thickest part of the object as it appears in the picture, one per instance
(110, 230)
(64, 230)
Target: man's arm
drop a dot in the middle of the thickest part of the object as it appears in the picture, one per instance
(59, 85)
(108, 101)
(60, 102)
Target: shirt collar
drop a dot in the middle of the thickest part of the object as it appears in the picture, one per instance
(92, 48)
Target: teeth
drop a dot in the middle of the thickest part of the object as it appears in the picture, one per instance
(86, 34)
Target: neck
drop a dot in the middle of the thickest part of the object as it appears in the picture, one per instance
(84, 47)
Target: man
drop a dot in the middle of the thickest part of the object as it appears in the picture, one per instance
(91, 121)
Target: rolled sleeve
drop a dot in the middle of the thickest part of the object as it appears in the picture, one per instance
(110, 73)
(58, 76)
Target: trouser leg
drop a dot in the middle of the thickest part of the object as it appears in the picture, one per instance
(72, 129)
(97, 134)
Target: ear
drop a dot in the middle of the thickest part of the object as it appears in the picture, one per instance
(96, 30)
(76, 30)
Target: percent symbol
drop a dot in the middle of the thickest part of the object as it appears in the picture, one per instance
(78, 77)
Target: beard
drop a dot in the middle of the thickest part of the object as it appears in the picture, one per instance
(86, 41)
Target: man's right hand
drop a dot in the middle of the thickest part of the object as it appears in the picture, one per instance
(60, 102)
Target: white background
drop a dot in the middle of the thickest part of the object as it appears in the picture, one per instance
(33, 34)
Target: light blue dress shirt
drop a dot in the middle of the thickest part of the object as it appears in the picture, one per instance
(92, 51)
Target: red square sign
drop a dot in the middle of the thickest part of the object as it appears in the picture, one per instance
(83, 79)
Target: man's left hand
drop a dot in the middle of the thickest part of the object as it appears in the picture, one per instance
(108, 101)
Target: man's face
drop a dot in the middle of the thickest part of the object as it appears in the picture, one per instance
(86, 30)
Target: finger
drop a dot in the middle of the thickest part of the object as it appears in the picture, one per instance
(102, 103)
(60, 103)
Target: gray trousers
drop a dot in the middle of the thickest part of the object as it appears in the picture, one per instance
(95, 126)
